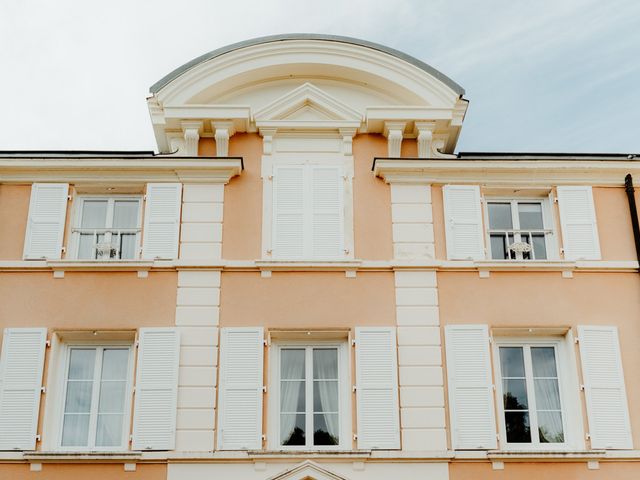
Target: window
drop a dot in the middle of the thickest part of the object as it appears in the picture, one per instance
(532, 410)
(311, 390)
(95, 413)
(107, 228)
(518, 229)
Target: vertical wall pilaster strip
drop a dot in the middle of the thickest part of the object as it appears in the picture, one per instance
(201, 232)
(412, 219)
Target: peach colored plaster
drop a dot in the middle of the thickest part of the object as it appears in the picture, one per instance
(14, 212)
(94, 471)
(532, 299)
(547, 471)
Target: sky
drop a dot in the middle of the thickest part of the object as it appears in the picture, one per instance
(541, 76)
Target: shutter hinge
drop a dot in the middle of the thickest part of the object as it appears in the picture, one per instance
(576, 340)
(493, 387)
(137, 343)
(582, 388)
(353, 342)
(63, 249)
(354, 388)
(588, 436)
(130, 438)
(270, 177)
(562, 251)
(264, 389)
(498, 436)
(490, 340)
(144, 198)
(69, 198)
(38, 438)
(264, 342)
(263, 437)
(355, 436)
(133, 389)
(47, 343)
(555, 199)
(43, 389)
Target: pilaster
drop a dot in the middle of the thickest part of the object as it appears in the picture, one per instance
(201, 228)
(412, 220)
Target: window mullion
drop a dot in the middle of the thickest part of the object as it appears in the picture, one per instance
(309, 396)
(531, 394)
(95, 398)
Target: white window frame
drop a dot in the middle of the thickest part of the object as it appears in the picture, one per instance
(124, 446)
(547, 223)
(344, 363)
(565, 366)
(111, 199)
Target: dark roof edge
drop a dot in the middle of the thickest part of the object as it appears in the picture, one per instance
(101, 153)
(534, 155)
(156, 87)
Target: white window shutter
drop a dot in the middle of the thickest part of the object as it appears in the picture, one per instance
(578, 221)
(240, 388)
(471, 402)
(21, 366)
(156, 396)
(607, 408)
(162, 221)
(288, 212)
(463, 222)
(47, 216)
(377, 388)
(327, 223)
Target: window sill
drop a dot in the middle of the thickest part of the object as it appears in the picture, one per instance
(350, 267)
(79, 456)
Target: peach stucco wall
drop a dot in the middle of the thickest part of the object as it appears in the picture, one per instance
(93, 471)
(547, 471)
(536, 299)
(14, 212)
(242, 233)
(107, 300)
(307, 300)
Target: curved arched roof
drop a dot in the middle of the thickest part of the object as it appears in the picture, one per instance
(156, 87)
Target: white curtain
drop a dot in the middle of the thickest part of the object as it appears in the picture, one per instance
(547, 394)
(292, 374)
(325, 367)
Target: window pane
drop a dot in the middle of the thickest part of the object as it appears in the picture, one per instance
(82, 362)
(325, 363)
(530, 216)
(325, 396)
(550, 427)
(126, 244)
(112, 396)
(75, 430)
(78, 399)
(325, 429)
(94, 214)
(292, 429)
(292, 363)
(543, 360)
(125, 214)
(515, 394)
(109, 431)
(85, 247)
(114, 364)
(518, 430)
(500, 216)
(539, 247)
(292, 396)
(511, 362)
(547, 394)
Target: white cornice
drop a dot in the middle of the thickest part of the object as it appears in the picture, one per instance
(120, 170)
(506, 172)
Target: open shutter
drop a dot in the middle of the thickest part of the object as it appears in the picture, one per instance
(47, 215)
(377, 388)
(470, 389)
(241, 388)
(288, 212)
(154, 424)
(327, 222)
(578, 221)
(604, 389)
(21, 366)
(162, 221)
(463, 222)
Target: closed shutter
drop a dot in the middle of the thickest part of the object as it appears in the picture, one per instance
(288, 212)
(162, 221)
(47, 215)
(604, 388)
(156, 397)
(377, 388)
(470, 388)
(240, 387)
(21, 366)
(463, 222)
(578, 221)
(327, 221)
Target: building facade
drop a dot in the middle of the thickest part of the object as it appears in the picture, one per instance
(307, 283)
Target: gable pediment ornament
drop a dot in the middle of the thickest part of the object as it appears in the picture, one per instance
(307, 470)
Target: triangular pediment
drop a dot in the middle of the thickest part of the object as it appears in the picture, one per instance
(307, 471)
(308, 103)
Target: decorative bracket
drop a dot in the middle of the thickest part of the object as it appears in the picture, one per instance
(191, 131)
(394, 132)
(267, 139)
(347, 140)
(223, 131)
(424, 135)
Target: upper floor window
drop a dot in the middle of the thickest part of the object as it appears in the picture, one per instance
(108, 228)
(517, 229)
(96, 397)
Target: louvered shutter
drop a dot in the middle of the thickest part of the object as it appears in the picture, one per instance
(288, 212)
(578, 221)
(377, 388)
(21, 365)
(463, 222)
(240, 387)
(156, 395)
(162, 221)
(47, 215)
(327, 222)
(604, 388)
(470, 389)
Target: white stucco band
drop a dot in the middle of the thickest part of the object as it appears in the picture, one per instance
(201, 226)
(412, 220)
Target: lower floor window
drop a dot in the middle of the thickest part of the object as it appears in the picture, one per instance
(96, 396)
(309, 394)
(531, 399)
